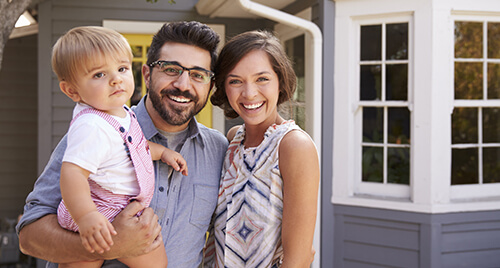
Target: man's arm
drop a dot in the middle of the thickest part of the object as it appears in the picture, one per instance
(45, 239)
(39, 232)
(41, 236)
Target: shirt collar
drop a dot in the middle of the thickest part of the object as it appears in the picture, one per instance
(149, 129)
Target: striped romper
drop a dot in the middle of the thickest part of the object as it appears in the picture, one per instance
(110, 204)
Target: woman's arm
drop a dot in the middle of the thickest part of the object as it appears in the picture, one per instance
(299, 166)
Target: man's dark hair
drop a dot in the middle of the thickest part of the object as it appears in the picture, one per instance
(185, 32)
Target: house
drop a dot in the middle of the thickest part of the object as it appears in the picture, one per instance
(401, 96)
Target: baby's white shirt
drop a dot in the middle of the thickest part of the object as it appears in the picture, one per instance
(95, 145)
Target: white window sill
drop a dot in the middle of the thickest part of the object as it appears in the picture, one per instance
(405, 204)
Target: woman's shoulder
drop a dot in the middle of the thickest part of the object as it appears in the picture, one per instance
(297, 154)
(297, 143)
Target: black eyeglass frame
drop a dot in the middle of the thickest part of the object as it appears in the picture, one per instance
(165, 62)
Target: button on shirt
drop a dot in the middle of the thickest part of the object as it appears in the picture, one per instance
(184, 211)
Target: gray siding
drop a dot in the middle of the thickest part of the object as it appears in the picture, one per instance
(472, 242)
(326, 21)
(56, 17)
(374, 241)
(18, 124)
(367, 237)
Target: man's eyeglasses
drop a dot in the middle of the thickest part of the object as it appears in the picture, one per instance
(174, 69)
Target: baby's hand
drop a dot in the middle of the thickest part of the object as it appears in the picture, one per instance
(175, 160)
(95, 232)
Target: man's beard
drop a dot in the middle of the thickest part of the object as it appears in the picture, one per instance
(175, 116)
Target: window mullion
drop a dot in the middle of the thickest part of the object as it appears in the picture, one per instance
(385, 142)
(480, 144)
(383, 99)
(383, 62)
(485, 60)
(480, 110)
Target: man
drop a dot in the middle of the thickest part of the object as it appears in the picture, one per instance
(178, 77)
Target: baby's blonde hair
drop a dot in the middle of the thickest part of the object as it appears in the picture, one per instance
(77, 49)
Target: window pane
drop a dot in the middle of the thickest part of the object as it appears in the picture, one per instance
(371, 82)
(299, 116)
(464, 125)
(371, 42)
(398, 160)
(397, 82)
(494, 40)
(491, 165)
(468, 80)
(300, 94)
(373, 122)
(491, 125)
(373, 164)
(399, 126)
(397, 41)
(295, 51)
(494, 80)
(468, 39)
(136, 51)
(136, 71)
(464, 167)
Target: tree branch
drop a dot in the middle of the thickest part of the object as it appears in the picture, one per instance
(10, 10)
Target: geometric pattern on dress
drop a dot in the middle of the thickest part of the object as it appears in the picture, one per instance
(248, 215)
(244, 232)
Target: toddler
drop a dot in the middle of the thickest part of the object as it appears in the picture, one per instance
(108, 161)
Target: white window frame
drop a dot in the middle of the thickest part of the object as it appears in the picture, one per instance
(375, 188)
(348, 187)
(432, 79)
(466, 192)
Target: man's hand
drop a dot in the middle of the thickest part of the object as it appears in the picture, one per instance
(136, 235)
(46, 239)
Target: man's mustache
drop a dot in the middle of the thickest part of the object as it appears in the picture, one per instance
(179, 93)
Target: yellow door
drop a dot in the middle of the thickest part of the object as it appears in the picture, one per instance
(140, 45)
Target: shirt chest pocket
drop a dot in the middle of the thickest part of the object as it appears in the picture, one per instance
(204, 202)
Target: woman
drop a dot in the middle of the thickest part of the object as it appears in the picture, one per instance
(268, 193)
